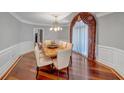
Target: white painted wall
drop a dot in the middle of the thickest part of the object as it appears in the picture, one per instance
(112, 57)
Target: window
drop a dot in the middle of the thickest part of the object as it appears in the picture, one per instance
(80, 38)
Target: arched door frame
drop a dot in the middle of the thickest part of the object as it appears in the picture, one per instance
(89, 19)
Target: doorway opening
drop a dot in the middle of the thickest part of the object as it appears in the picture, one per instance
(38, 35)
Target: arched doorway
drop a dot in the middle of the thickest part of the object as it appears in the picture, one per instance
(88, 19)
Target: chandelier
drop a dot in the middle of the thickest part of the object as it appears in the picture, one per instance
(55, 26)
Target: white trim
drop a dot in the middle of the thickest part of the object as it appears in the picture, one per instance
(29, 22)
(25, 21)
(26, 47)
(101, 14)
(8, 55)
(4, 50)
(113, 48)
(112, 57)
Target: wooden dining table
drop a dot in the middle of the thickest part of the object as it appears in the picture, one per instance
(51, 51)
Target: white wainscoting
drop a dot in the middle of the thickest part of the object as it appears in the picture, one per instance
(26, 47)
(111, 57)
(9, 55)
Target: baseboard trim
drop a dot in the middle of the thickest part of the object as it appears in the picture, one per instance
(117, 74)
(112, 69)
(13, 66)
(80, 54)
(10, 69)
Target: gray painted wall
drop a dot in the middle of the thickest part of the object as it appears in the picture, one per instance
(48, 35)
(13, 31)
(26, 33)
(9, 30)
(111, 30)
(64, 34)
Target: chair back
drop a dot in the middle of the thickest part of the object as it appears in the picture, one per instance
(69, 46)
(63, 44)
(47, 42)
(57, 42)
(37, 53)
(63, 58)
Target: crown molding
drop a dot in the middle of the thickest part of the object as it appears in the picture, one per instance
(103, 14)
(25, 21)
(33, 23)
(29, 22)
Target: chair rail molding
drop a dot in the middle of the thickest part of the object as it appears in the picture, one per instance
(8, 55)
(112, 57)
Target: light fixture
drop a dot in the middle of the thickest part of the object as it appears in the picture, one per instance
(55, 26)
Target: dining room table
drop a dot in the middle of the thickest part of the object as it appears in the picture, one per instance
(51, 50)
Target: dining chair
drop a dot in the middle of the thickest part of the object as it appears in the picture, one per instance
(41, 61)
(40, 50)
(47, 42)
(69, 46)
(62, 44)
(57, 42)
(62, 61)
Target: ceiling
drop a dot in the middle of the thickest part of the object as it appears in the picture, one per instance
(46, 18)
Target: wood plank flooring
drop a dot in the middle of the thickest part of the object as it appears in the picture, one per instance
(81, 69)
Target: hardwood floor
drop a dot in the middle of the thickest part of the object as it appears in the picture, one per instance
(81, 69)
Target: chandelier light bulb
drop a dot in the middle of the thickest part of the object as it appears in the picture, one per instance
(58, 28)
(51, 29)
(55, 29)
(55, 26)
(61, 29)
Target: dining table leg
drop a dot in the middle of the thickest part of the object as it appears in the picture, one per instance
(37, 73)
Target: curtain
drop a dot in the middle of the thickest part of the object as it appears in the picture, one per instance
(80, 38)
